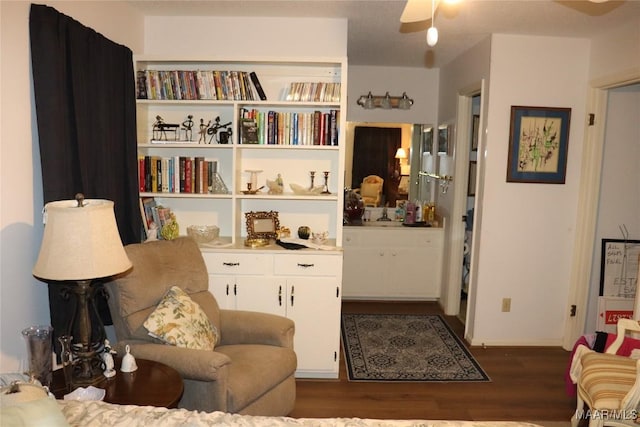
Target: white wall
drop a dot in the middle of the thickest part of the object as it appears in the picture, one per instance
(23, 299)
(263, 37)
(528, 230)
(420, 84)
(617, 51)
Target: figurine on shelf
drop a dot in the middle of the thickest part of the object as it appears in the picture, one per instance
(160, 129)
(187, 125)
(153, 232)
(171, 230)
(225, 132)
(203, 131)
(276, 186)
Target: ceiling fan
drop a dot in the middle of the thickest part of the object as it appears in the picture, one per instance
(422, 10)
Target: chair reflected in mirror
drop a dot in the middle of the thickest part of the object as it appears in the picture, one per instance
(371, 190)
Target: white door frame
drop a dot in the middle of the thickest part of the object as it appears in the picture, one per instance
(588, 198)
(459, 184)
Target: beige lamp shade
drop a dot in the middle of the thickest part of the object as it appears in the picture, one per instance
(401, 153)
(80, 242)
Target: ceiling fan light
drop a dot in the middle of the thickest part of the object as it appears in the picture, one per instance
(432, 36)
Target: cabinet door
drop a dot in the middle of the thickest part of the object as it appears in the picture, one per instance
(408, 271)
(313, 303)
(221, 288)
(259, 293)
(366, 272)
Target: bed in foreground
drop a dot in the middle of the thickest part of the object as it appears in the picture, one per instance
(99, 414)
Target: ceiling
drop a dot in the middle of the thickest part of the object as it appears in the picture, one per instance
(376, 37)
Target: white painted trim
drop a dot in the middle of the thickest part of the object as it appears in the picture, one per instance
(459, 184)
(588, 199)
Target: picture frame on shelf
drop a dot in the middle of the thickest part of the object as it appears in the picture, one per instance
(475, 128)
(538, 144)
(262, 225)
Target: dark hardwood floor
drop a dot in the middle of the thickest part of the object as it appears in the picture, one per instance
(527, 384)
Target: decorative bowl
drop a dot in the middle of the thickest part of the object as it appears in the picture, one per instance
(89, 393)
(302, 191)
(203, 233)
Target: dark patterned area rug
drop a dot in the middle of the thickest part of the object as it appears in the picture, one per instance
(406, 347)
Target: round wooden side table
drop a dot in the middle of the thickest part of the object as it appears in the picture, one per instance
(152, 384)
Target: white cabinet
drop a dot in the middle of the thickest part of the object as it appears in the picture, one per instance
(303, 286)
(392, 263)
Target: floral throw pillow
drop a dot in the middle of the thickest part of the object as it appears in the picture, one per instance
(179, 321)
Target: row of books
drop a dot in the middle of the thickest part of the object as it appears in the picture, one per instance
(154, 217)
(179, 174)
(313, 92)
(199, 84)
(288, 128)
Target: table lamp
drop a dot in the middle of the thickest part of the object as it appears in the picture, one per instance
(81, 243)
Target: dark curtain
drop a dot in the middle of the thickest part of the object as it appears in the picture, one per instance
(86, 114)
(374, 151)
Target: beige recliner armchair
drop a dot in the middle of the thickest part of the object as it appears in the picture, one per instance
(250, 371)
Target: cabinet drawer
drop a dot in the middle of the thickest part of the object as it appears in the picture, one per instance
(308, 265)
(235, 263)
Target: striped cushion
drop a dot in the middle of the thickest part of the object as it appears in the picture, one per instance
(606, 379)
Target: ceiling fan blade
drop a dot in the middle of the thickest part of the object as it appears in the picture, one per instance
(417, 10)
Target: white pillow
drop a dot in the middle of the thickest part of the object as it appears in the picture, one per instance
(179, 321)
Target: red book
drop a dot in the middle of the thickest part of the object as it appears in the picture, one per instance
(141, 176)
(188, 175)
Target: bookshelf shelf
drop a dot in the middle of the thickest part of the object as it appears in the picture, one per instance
(292, 159)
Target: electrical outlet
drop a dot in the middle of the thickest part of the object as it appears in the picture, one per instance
(506, 305)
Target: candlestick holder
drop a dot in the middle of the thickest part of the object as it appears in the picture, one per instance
(252, 185)
(325, 189)
(313, 175)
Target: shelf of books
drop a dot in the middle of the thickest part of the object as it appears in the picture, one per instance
(218, 139)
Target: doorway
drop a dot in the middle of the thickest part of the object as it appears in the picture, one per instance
(474, 129)
(580, 296)
(455, 235)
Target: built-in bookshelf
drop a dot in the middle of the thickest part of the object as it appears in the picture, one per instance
(203, 125)
(208, 128)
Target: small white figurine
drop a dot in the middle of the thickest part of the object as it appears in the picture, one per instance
(107, 357)
(128, 361)
(153, 232)
(276, 186)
